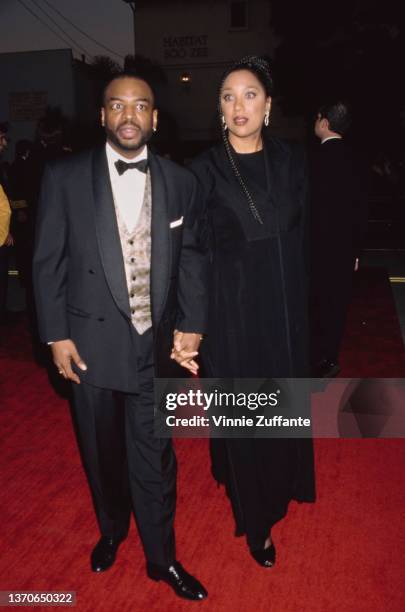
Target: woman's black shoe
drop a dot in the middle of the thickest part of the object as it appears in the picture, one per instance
(266, 557)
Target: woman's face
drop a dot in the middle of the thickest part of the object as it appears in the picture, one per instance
(244, 103)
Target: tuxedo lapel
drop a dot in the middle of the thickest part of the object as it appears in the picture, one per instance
(107, 232)
(161, 248)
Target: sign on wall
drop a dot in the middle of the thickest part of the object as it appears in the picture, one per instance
(185, 47)
(27, 105)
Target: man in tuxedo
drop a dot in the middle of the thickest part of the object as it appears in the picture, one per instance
(338, 219)
(120, 285)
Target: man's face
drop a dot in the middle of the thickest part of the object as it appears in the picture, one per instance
(128, 115)
(3, 142)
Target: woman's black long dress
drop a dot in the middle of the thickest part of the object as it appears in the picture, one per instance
(258, 319)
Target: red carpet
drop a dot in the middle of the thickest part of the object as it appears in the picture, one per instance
(344, 553)
(372, 345)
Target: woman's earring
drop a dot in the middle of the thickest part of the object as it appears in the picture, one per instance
(223, 123)
(266, 118)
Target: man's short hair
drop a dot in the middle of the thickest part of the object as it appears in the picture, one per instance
(125, 75)
(338, 115)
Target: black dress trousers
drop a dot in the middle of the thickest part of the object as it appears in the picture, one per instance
(125, 462)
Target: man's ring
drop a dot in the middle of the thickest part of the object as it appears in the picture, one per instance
(60, 371)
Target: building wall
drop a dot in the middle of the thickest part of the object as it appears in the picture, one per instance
(30, 80)
(194, 39)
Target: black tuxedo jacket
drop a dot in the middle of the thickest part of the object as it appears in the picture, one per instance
(79, 275)
(338, 207)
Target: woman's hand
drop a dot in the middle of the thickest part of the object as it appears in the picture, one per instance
(185, 348)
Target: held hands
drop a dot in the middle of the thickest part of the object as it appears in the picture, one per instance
(185, 348)
(63, 353)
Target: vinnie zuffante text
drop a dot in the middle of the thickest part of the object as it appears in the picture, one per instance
(221, 400)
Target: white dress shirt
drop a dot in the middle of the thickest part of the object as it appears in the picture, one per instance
(331, 138)
(128, 188)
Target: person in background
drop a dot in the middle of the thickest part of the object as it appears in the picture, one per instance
(22, 180)
(338, 220)
(6, 239)
(4, 140)
(5, 242)
(49, 145)
(255, 188)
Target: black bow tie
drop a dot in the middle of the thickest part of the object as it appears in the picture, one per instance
(122, 166)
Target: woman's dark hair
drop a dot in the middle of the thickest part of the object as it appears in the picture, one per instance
(261, 69)
(257, 66)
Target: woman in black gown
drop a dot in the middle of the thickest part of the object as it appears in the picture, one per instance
(255, 189)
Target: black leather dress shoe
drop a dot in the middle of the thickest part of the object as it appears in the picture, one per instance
(266, 557)
(104, 553)
(182, 583)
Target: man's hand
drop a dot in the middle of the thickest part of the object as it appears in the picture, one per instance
(63, 353)
(185, 348)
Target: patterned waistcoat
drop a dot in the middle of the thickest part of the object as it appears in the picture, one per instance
(136, 251)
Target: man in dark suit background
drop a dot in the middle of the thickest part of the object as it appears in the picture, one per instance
(120, 284)
(338, 218)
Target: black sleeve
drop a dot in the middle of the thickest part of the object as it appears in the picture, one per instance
(50, 261)
(192, 293)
